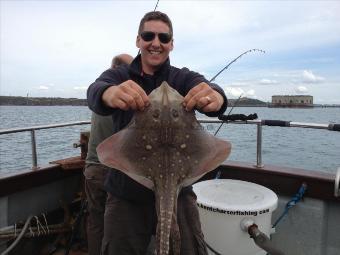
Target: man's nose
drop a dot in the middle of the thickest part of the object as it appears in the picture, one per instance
(155, 41)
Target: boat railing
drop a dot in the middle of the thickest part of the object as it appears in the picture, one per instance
(33, 139)
(259, 123)
(337, 183)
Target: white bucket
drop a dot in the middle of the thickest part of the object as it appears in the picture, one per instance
(223, 204)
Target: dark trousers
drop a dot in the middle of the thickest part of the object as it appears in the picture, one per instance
(128, 227)
(96, 197)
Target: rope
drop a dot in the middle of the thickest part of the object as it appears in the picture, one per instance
(31, 231)
(295, 199)
(18, 238)
(39, 225)
(46, 224)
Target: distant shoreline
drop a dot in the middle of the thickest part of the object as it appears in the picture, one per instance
(41, 101)
(58, 101)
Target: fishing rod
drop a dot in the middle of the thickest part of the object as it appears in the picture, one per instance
(236, 102)
(222, 117)
(225, 68)
(154, 11)
(234, 60)
(156, 6)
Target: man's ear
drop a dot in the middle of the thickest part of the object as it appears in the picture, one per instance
(137, 41)
(172, 45)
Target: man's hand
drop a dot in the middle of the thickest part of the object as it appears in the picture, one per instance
(204, 98)
(125, 96)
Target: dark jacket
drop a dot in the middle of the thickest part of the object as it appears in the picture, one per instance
(182, 80)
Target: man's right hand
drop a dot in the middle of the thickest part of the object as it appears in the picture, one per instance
(125, 96)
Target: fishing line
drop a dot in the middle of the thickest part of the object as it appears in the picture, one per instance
(236, 102)
(225, 68)
(156, 6)
(154, 11)
(223, 117)
(234, 60)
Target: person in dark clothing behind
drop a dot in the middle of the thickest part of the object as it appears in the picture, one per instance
(95, 173)
(130, 215)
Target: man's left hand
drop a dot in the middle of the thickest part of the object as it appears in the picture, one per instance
(204, 98)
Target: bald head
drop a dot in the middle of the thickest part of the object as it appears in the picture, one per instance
(121, 59)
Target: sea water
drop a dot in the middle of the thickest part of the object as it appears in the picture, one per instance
(311, 149)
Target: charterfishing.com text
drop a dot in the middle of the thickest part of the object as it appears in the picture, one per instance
(243, 213)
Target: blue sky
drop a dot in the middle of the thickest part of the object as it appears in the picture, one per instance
(58, 48)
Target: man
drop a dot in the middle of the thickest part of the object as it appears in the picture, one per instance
(130, 216)
(95, 173)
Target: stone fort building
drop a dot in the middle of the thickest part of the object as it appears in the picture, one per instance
(292, 101)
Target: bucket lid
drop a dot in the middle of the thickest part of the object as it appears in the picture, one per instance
(235, 195)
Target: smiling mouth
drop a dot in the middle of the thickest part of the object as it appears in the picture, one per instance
(153, 52)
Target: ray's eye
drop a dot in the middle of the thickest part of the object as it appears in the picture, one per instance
(174, 113)
(156, 113)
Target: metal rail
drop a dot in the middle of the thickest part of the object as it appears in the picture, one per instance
(337, 184)
(33, 140)
(17, 130)
(258, 123)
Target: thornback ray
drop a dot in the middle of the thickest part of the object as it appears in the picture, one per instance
(164, 148)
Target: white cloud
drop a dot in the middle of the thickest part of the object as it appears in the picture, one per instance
(234, 92)
(237, 84)
(237, 92)
(301, 90)
(250, 93)
(309, 77)
(80, 88)
(43, 87)
(268, 81)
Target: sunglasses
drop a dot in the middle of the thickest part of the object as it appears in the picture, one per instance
(149, 36)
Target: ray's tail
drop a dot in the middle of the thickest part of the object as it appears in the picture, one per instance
(165, 211)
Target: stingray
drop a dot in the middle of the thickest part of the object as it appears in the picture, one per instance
(164, 148)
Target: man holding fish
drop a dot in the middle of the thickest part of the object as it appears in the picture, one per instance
(130, 216)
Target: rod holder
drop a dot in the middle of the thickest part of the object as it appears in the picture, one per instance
(337, 183)
(34, 151)
(259, 146)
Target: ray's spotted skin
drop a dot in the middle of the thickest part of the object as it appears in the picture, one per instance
(164, 148)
